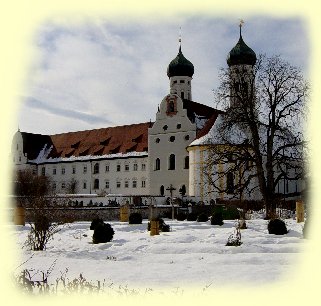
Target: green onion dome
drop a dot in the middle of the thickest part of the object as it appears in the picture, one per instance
(180, 66)
(241, 54)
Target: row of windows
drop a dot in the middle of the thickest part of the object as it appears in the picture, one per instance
(181, 81)
(171, 163)
(97, 184)
(96, 168)
(172, 138)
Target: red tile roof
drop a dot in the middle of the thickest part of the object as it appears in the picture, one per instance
(119, 139)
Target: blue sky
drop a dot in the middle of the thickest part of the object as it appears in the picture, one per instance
(101, 73)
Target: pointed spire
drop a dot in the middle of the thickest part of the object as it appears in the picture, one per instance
(241, 24)
(180, 40)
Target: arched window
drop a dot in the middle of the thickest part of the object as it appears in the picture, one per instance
(182, 95)
(96, 168)
(96, 184)
(229, 182)
(186, 162)
(162, 190)
(171, 162)
(157, 164)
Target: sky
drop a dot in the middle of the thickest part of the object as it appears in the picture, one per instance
(100, 72)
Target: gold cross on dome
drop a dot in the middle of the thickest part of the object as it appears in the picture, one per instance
(241, 22)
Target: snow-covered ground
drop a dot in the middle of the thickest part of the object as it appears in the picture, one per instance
(192, 254)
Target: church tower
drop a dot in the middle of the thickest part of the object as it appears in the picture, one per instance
(180, 72)
(172, 132)
(241, 60)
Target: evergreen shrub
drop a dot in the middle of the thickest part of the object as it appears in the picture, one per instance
(181, 216)
(231, 213)
(277, 227)
(202, 217)
(163, 227)
(103, 232)
(95, 222)
(217, 218)
(135, 218)
(191, 217)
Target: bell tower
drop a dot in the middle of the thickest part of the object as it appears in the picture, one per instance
(180, 72)
(241, 60)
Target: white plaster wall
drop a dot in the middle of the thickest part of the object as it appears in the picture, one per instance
(165, 147)
(179, 84)
(18, 158)
(109, 174)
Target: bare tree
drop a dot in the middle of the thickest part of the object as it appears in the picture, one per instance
(259, 141)
(36, 193)
(72, 186)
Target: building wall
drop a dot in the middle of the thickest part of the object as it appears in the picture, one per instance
(128, 176)
(171, 134)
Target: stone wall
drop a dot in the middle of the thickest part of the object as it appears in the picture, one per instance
(72, 214)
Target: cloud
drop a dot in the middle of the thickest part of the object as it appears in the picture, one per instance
(67, 113)
(103, 73)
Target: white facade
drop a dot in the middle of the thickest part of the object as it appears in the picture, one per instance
(168, 139)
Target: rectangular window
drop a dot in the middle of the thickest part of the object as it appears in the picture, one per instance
(85, 185)
(126, 167)
(107, 184)
(107, 168)
(118, 168)
(135, 167)
(143, 184)
(63, 170)
(134, 184)
(73, 170)
(118, 184)
(54, 171)
(63, 185)
(126, 184)
(143, 167)
(43, 171)
(85, 169)
(34, 171)
(54, 186)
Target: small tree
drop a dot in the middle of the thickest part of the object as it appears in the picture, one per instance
(36, 193)
(72, 186)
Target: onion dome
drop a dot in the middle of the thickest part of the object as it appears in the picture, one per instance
(241, 54)
(180, 66)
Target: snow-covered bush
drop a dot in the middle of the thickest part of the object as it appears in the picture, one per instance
(202, 217)
(277, 227)
(135, 218)
(235, 238)
(103, 232)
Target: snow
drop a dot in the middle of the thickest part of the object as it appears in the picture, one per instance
(192, 254)
(42, 157)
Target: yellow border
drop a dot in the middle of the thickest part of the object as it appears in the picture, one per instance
(18, 21)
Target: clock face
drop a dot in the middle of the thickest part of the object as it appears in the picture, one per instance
(171, 105)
